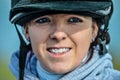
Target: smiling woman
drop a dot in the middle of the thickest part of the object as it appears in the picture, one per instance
(63, 41)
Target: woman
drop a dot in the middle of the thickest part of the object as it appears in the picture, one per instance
(67, 40)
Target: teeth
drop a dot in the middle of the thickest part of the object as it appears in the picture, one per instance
(58, 51)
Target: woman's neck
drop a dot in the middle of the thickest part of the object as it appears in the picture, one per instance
(45, 75)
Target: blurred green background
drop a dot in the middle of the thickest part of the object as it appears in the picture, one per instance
(9, 41)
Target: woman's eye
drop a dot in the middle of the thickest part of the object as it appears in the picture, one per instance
(75, 20)
(43, 20)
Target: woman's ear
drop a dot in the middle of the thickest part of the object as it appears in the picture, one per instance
(26, 33)
(95, 30)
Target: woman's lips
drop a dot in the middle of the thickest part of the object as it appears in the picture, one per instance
(58, 52)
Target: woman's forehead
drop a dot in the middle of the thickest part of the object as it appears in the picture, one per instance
(37, 15)
(63, 14)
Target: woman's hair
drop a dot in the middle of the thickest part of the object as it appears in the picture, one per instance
(103, 38)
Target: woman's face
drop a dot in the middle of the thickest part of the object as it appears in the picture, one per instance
(61, 41)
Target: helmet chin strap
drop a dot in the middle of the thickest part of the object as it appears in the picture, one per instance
(24, 48)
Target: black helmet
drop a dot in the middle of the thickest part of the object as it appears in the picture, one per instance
(22, 9)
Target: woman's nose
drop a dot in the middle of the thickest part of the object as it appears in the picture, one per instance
(58, 35)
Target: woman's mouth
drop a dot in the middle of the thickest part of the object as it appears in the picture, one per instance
(58, 52)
